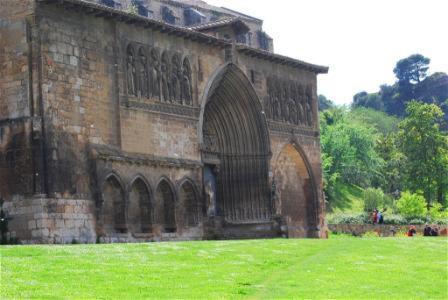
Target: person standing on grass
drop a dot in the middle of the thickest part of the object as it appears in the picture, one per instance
(375, 216)
(380, 217)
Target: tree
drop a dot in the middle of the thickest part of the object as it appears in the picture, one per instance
(364, 99)
(348, 153)
(426, 150)
(324, 103)
(411, 205)
(412, 70)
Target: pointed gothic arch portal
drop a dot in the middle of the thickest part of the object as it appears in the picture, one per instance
(296, 197)
(236, 147)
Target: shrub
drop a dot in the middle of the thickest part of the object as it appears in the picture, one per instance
(394, 220)
(411, 206)
(361, 218)
(443, 221)
(373, 198)
(416, 221)
(436, 212)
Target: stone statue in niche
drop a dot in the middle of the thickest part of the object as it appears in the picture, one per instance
(210, 196)
(143, 74)
(292, 107)
(269, 101)
(175, 80)
(277, 102)
(309, 105)
(186, 83)
(302, 107)
(284, 102)
(165, 75)
(154, 74)
(131, 72)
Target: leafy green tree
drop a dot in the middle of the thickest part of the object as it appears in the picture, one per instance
(412, 69)
(426, 150)
(348, 153)
(391, 171)
(373, 198)
(411, 205)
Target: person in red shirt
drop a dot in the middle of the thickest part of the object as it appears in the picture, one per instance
(411, 231)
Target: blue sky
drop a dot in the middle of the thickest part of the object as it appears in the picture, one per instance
(360, 40)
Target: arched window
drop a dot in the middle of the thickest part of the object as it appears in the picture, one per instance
(186, 83)
(114, 207)
(189, 203)
(140, 210)
(166, 200)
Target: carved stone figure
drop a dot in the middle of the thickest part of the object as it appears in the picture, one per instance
(143, 74)
(186, 83)
(210, 196)
(131, 72)
(292, 107)
(302, 105)
(165, 76)
(175, 80)
(300, 114)
(154, 74)
(284, 102)
(309, 105)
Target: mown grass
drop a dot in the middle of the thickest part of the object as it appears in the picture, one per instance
(345, 267)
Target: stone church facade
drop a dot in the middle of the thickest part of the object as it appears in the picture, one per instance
(153, 120)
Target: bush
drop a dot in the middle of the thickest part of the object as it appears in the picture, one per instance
(373, 198)
(417, 221)
(394, 220)
(411, 206)
(361, 218)
(443, 221)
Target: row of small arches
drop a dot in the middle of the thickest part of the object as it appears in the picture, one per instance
(165, 77)
(136, 209)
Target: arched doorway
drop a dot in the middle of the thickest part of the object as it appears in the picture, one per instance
(296, 194)
(113, 209)
(139, 210)
(235, 143)
(166, 206)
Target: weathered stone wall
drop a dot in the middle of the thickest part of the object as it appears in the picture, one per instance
(380, 230)
(50, 220)
(16, 166)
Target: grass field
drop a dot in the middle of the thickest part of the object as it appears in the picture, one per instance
(396, 268)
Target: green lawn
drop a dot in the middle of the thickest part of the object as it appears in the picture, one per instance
(365, 268)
